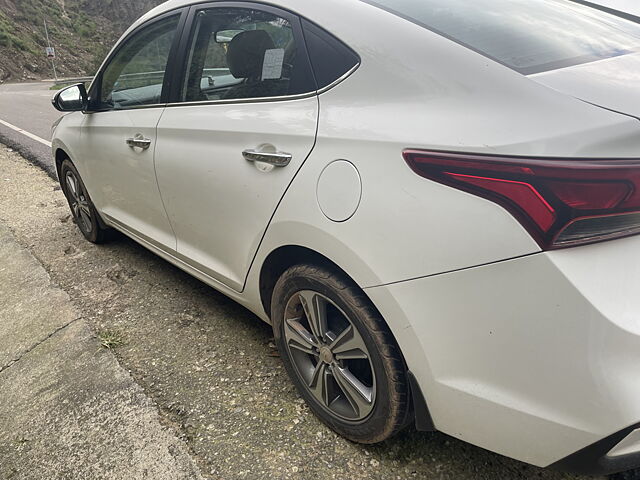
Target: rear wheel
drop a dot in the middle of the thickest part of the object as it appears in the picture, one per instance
(84, 213)
(340, 354)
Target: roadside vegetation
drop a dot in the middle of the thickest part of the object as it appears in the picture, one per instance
(81, 31)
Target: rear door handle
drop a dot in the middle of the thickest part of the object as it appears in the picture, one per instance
(139, 141)
(278, 159)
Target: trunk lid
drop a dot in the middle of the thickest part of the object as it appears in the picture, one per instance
(613, 83)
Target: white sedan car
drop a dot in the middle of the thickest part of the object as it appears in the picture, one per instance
(434, 202)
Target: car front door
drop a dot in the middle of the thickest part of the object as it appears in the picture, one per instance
(119, 135)
(242, 123)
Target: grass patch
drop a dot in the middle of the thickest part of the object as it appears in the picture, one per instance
(111, 339)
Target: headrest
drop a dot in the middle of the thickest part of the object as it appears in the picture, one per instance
(245, 55)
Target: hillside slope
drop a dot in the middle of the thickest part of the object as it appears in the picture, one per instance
(82, 32)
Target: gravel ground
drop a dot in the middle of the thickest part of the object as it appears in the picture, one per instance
(209, 365)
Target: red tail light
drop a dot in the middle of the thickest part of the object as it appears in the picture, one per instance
(560, 201)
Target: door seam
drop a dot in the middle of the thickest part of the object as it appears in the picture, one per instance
(284, 194)
(155, 174)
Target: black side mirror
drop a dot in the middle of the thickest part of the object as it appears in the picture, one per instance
(71, 99)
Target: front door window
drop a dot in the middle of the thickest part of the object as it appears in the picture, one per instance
(135, 75)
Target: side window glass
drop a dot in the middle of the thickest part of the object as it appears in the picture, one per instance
(238, 53)
(330, 58)
(135, 75)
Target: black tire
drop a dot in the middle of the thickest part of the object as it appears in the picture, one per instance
(84, 213)
(390, 408)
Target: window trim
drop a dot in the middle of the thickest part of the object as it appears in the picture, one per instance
(281, 98)
(181, 67)
(96, 85)
(342, 78)
(176, 67)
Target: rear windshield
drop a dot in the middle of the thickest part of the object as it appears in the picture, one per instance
(529, 36)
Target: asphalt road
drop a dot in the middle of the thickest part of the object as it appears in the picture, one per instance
(209, 366)
(28, 107)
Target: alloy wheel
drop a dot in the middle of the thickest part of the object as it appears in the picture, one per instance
(330, 356)
(78, 202)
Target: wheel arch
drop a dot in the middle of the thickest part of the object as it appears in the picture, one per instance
(284, 257)
(60, 156)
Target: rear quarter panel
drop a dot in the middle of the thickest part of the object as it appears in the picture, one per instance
(416, 89)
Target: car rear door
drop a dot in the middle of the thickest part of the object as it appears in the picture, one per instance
(243, 122)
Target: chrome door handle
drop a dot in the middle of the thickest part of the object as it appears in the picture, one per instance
(139, 141)
(279, 159)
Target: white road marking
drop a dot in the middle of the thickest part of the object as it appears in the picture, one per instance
(24, 132)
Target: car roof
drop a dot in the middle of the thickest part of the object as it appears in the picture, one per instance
(627, 8)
